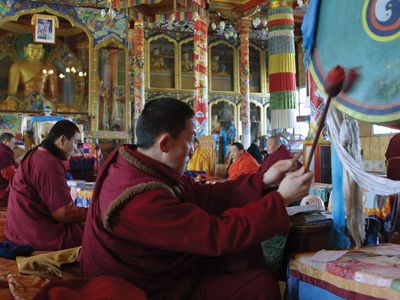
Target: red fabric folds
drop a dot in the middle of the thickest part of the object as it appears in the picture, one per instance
(280, 82)
(100, 288)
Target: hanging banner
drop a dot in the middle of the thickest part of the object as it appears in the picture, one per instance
(201, 76)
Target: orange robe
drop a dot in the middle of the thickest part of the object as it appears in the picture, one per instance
(200, 160)
(244, 164)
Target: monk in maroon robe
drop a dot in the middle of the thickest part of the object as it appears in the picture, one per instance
(393, 158)
(100, 288)
(40, 209)
(7, 165)
(175, 238)
(276, 152)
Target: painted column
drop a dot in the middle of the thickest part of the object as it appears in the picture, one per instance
(282, 64)
(200, 101)
(136, 37)
(245, 83)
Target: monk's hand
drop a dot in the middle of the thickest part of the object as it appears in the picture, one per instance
(275, 174)
(295, 185)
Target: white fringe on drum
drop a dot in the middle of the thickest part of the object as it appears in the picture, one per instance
(283, 118)
(374, 184)
(349, 139)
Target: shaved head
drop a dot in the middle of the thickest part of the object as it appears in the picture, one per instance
(273, 144)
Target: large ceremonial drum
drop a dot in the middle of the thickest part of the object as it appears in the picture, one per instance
(362, 34)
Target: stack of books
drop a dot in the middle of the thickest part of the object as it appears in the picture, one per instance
(307, 215)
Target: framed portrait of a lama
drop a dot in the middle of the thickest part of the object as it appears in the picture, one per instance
(45, 29)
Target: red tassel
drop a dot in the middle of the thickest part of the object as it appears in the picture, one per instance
(334, 81)
(351, 77)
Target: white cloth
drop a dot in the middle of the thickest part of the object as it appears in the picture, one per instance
(283, 118)
(375, 184)
(349, 139)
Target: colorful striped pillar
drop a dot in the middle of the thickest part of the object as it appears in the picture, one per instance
(282, 65)
(200, 101)
(138, 68)
(245, 82)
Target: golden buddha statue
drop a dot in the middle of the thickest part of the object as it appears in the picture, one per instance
(217, 65)
(157, 60)
(216, 125)
(36, 76)
(187, 62)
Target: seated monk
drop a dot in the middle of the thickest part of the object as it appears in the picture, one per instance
(7, 165)
(242, 162)
(40, 208)
(393, 158)
(99, 288)
(175, 238)
(30, 73)
(200, 160)
(254, 150)
(276, 152)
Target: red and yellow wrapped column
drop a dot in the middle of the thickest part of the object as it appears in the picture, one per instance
(138, 68)
(245, 82)
(200, 102)
(282, 64)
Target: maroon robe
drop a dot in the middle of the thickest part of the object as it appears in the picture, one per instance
(270, 160)
(100, 288)
(7, 169)
(38, 190)
(393, 158)
(175, 238)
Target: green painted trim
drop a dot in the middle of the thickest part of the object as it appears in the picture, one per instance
(283, 100)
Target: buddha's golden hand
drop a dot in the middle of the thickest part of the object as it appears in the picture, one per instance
(9, 104)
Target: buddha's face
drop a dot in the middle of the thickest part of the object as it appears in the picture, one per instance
(156, 52)
(34, 52)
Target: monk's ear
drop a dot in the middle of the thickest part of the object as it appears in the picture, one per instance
(62, 139)
(163, 142)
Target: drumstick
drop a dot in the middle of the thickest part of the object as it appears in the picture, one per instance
(297, 157)
(337, 80)
(316, 138)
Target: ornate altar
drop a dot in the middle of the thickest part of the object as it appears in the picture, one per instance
(83, 75)
(223, 70)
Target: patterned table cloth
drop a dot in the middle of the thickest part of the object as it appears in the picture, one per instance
(365, 273)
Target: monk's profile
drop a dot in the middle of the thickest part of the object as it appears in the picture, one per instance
(35, 76)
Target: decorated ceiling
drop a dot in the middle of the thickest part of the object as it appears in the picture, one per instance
(158, 14)
(227, 9)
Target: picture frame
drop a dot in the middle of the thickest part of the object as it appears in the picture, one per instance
(45, 26)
